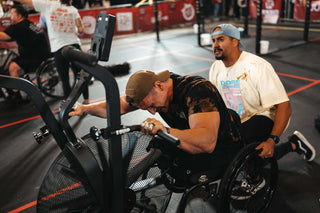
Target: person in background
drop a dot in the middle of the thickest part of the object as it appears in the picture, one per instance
(32, 45)
(95, 3)
(250, 86)
(1, 11)
(63, 24)
(43, 26)
(6, 5)
(216, 8)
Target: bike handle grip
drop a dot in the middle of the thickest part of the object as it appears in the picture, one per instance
(162, 134)
(95, 133)
(170, 138)
(73, 54)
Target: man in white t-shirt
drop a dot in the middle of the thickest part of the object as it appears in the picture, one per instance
(63, 24)
(250, 86)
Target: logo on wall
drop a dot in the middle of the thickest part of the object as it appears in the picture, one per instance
(269, 4)
(161, 17)
(188, 12)
(271, 11)
(315, 6)
(89, 24)
(124, 21)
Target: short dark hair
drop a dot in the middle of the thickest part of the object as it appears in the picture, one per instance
(66, 2)
(21, 11)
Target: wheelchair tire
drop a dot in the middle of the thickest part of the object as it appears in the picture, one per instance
(247, 166)
(199, 198)
(49, 81)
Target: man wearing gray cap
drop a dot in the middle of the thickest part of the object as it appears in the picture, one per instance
(191, 105)
(249, 85)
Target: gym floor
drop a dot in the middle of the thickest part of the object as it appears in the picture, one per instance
(24, 162)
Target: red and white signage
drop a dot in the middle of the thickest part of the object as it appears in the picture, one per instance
(300, 10)
(133, 20)
(270, 10)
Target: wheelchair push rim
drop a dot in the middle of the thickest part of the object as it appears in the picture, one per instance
(248, 167)
(49, 81)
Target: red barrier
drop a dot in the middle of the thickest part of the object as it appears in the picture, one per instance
(132, 20)
(182, 12)
(147, 18)
(126, 19)
(89, 22)
(300, 11)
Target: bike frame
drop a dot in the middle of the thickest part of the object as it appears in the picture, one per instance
(80, 153)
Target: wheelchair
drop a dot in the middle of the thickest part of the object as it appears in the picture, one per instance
(45, 76)
(214, 192)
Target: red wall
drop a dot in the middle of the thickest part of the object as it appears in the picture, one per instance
(133, 20)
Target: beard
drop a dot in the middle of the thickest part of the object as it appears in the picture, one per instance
(221, 57)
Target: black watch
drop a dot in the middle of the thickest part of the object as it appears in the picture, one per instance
(275, 138)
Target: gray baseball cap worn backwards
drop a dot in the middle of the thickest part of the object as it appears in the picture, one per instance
(141, 83)
(228, 30)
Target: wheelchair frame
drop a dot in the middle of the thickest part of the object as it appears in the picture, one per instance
(214, 190)
(45, 75)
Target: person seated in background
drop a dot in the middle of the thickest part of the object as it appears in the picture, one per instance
(32, 45)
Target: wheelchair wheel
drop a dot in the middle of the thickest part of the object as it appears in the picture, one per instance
(49, 81)
(199, 198)
(249, 183)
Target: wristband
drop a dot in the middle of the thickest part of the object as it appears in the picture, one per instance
(275, 138)
(168, 130)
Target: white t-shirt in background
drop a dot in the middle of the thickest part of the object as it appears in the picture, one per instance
(60, 21)
(250, 86)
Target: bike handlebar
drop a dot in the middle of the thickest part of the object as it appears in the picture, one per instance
(73, 54)
(95, 133)
(170, 138)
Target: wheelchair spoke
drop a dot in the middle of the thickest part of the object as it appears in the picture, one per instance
(249, 183)
(49, 81)
(201, 198)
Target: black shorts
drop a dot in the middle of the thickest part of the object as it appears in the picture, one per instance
(27, 64)
(256, 129)
(187, 167)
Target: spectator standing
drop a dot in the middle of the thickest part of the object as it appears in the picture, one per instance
(64, 23)
(216, 8)
(6, 5)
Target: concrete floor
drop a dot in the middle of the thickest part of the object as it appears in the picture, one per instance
(24, 163)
